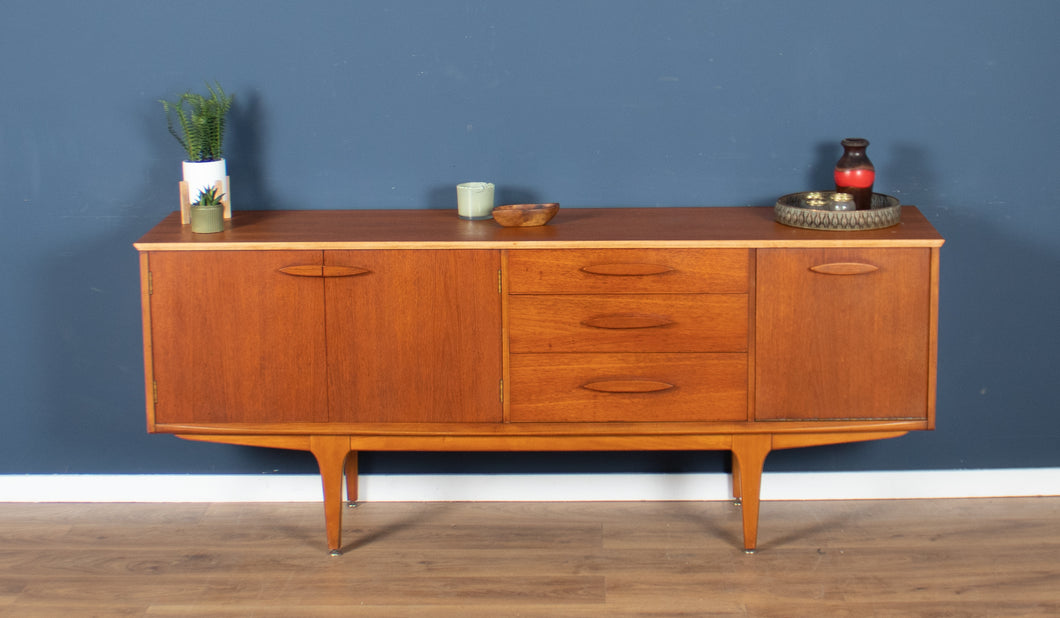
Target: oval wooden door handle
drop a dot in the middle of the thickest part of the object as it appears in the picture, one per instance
(344, 271)
(626, 270)
(627, 320)
(628, 386)
(316, 270)
(304, 270)
(844, 268)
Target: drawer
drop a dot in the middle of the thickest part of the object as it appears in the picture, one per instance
(629, 271)
(628, 387)
(628, 323)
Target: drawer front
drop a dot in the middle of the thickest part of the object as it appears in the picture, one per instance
(628, 271)
(628, 323)
(628, 387)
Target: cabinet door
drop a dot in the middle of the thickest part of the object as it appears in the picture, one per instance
(843, 334)
(234, 339)
(416, 337)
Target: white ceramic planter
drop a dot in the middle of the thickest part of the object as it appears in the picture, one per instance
(203, 175)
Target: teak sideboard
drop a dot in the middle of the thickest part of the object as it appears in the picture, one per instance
(612, 329)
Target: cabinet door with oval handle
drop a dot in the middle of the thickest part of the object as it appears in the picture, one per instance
(415, 337)
(844, 334)
(237, 336)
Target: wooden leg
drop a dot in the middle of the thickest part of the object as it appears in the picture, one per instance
(330, 453)
(737, 497)
(749, 452)
(351, 479)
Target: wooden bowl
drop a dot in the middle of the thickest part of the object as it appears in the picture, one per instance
(524, 215)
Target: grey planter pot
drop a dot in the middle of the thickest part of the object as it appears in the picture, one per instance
(207, 219)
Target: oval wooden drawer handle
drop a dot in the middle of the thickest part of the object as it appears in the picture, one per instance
(844, 268)
(626, 270)
(627, 320)
(315, 270)
(628, 386)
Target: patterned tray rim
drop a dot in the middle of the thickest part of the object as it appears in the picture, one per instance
(839, 221)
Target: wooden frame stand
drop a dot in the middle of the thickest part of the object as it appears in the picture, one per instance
(224, 187)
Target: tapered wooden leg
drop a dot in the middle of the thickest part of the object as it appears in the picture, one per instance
(749, 452)
(351, 479)
(330, 453)
(736, 480)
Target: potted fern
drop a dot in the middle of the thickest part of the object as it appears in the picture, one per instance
(201, 123)
(207, 213)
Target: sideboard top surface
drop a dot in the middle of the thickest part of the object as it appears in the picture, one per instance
(698, 227)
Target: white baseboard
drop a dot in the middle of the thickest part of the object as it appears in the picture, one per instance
(532, 488)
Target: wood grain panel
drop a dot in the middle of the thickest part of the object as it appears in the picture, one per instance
(637, 271)
(235, 340)
(628, 323)
(851, 346)
(417, 338)
(565, 387)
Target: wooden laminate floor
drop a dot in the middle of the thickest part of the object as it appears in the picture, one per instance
(981, 557)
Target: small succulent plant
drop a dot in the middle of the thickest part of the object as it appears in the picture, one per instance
(209, 197)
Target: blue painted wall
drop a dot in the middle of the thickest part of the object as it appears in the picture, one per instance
(345, 104)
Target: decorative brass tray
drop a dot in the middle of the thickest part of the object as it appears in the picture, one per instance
(809, 210)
